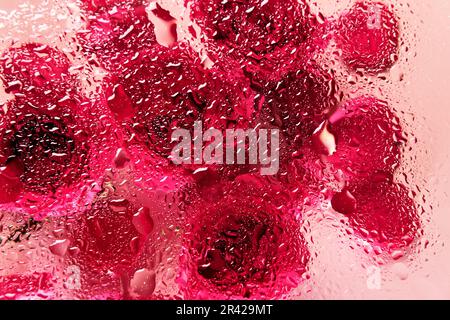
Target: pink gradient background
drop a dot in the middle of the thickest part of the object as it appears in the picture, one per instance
(338, 272)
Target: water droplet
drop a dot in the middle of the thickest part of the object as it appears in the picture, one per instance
(401, 270)
(143, 221)
(344, 202)
(323, 140)
(397, 254)
(59, 247)
(121, 158)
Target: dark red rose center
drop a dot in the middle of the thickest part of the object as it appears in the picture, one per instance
(241, 249)
(47, 153)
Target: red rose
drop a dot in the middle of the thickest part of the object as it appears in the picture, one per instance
(242, 246)
(267, 38)
(368, 138)
(26, 286)
(106, 242)
(116, 35)
(381, 211)
(300, 102)
(369, 37)
(53, 152)
(39, 71)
